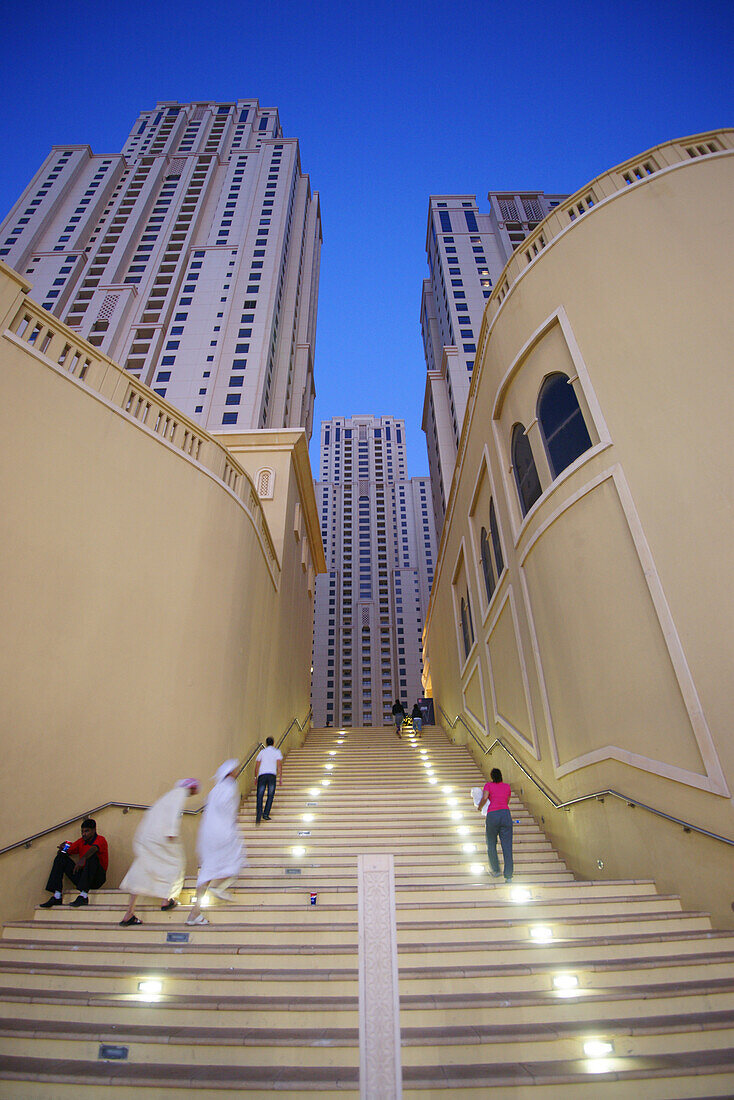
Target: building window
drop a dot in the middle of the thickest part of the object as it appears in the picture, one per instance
(496, 544)
(486, 564)
(562, 425)
(526, 475)
(467, 627)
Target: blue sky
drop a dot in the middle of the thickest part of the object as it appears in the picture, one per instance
(391, 102)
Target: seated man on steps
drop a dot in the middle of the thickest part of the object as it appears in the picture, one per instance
(84, 862)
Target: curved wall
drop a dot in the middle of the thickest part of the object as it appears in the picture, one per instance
(149, 607)
(603, 656)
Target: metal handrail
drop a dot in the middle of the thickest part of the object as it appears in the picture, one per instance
(598, 796)
(27, 841)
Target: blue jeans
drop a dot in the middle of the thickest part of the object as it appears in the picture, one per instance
(417, 724)
(264, 781)
(499, 824)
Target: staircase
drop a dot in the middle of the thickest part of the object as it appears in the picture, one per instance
(501, 986)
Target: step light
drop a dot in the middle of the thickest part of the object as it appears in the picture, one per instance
(325, 782)
(308, 817)
(457, 815)
(463, 830)
(520, 894)
(329, 767)
(433, 781)
(447, 790)
(299, 851)
(314, 792)
(598, 1048)
(469, 847)
(476, 868)
(332, 752)
(150, 988)
(452, 802)
(565, 981)
(541, 933)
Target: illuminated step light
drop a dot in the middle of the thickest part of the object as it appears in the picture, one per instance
(314, 792)
(325, 782)
(308, 817)
(469, 847)
(457, 815)
(150, 986)
(452, 802)
(206, 901)
(565, 981)
(541, 933)
(598, 1048)
(463, 830)
(424, 752)
(299, 851)
(520, 894)
(447, 790)
(332, 752)
(476, 868)
(433, 781)
(329, 767)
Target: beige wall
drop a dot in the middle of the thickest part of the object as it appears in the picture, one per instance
(149, 610)
(604, 656)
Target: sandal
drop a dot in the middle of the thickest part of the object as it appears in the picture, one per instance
(130, 921)
(170, 904)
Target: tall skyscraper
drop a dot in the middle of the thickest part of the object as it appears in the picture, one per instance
(380, 542)
(466, 253)
(191, 258)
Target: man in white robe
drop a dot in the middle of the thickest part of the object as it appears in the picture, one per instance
(221, 851)
(160, 859)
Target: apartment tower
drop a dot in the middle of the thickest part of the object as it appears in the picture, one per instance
(191, 258)
(466, 252)
(380, 542)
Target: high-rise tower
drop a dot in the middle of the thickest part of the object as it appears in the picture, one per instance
(191, 258)
(466, 253)
(380, 542)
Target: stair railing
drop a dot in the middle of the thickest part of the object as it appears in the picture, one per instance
(599, 796)
(27, 841)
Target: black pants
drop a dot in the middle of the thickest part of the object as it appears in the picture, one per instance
(90, 877)
(264, 781)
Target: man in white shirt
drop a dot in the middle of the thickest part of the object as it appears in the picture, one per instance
(268, 766)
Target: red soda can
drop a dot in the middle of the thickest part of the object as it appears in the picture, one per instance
(313, 898)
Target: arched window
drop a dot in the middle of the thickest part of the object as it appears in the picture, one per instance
(486, 564)
(562, 426)
(467, 627)
(496, 544)
(526, 475)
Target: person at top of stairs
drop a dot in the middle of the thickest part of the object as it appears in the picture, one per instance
(417, 715)
(222, 854)
(160, 859)
(398, 713)
(498, 823)
(268, 765)
(84, 862)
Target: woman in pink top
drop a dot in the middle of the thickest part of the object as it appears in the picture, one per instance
(499, 823)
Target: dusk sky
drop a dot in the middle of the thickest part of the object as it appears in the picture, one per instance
(390, 102)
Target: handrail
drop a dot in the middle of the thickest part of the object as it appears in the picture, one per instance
(28, 840)
(600, 795)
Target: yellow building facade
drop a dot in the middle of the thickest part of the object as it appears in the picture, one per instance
(157, 595)
(582, 613)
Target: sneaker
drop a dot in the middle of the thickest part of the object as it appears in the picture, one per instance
(77, 902)
(50, 903)
(201, 919)
(495, 874)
